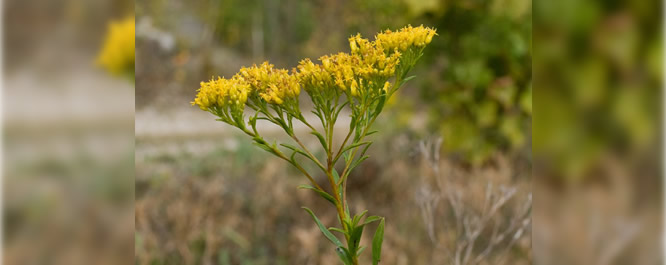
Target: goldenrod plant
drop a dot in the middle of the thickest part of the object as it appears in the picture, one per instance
(117, 53)
(361, 81)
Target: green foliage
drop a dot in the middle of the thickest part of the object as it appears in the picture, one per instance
(481, 97)
(377, 243)
(600, 79)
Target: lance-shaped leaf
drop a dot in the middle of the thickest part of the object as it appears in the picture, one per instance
(344, 255)
(354, 145)
(321, 193)
(323, 229)
(321, 139)
(377, 243)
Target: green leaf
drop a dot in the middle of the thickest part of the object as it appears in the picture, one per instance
(352, 123)
(357, 218)
(408, 78)
(292, 158)
(377, 243)
(355, 238)
(357, 162)
(371, 219)
(253, 123)
(371, 132)
(318, 115)
(292, 147)
(321, 193)
(380, 105)
(321, 139)
(295, 149)
(343, 253)
(354, 146)
(263, 145)
(337, 230)
(325, 231)
(299, 151)
(360, 250)
(337, 112)
(336, 176)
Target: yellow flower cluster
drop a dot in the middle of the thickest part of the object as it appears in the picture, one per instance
(342, 67)
(364, 71)
(117, 53)
(273, 85)
(368, 66)
(313, 76)
(222, 93)
(376, 63)
(405, 38)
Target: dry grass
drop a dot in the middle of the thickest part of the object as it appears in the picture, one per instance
(239, 206)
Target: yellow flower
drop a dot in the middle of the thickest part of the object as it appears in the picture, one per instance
(405, 38)
(340, 68)
(386, 87)
(365, 71)
(117, 53)
(222, 93)
(375, 62)
(275, 86)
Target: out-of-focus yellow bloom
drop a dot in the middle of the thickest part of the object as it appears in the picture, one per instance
(222, 93)
(275, 86)
(405, 38)
(117, 54)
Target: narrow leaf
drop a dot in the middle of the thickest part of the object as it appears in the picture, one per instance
(321, 139)
(354, 145)
(336, 176)
(371, 219)
(265, 147)
(357, 218)
(408, 78)
(292, 147)
(377, 243)
(337, 112)
(338, 230)
(380, 104)
(343, 253)
(292, 158)
(325, 231)
(360, 250)
(321, 193)
(355, 238)
(357, 163)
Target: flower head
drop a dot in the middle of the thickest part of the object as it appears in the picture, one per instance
(405, 38)
(342, 67)
(275, 86)
(313, 77)
(222, 93)
(376, 64)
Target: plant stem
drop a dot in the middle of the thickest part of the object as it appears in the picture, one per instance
(281, 155)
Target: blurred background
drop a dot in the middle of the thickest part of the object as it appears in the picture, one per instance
(598, 67)
(90, 135)
(68, 132)
(453, 143)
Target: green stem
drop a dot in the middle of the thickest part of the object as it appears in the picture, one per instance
(281, 155)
